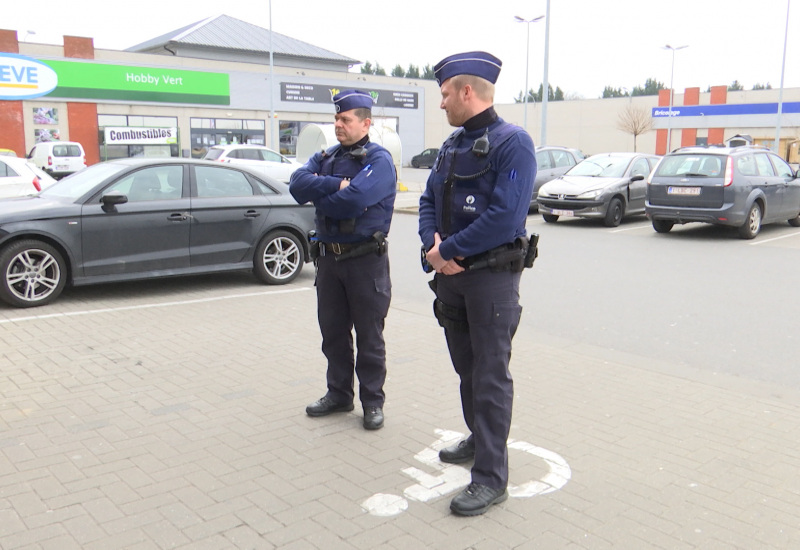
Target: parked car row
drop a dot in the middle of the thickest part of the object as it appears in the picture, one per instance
(133, 219)
(743, 187)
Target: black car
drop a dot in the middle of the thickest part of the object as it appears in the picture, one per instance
(143, 218)
(425, 159)
(744, 187)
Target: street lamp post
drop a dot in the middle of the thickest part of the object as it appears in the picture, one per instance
(545, 83)
(671, 93)
(777, 146)
(527, 63)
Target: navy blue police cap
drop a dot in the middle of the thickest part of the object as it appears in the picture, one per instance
(481, 64)
(347, 100)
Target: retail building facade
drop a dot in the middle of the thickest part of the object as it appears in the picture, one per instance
(174, 98)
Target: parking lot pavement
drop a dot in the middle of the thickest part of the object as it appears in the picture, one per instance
(176, 420)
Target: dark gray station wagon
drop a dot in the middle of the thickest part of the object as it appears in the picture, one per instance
(743, 187)
(143, 218)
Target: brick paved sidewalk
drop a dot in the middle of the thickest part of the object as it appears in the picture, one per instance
(182, 426)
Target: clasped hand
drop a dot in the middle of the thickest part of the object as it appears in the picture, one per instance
(445, 267)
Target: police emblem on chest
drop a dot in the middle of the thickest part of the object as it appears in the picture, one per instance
(469, 204)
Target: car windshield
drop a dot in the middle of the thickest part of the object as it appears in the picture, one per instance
(603, 166)
(78, 184)
(691, 165)
(213, 154)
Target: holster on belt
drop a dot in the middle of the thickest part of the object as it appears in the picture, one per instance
(313, 245)
(514, 256)
(377, 244)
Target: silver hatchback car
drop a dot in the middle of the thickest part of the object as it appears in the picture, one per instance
(607, 186)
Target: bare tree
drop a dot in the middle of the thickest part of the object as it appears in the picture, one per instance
(635, 121)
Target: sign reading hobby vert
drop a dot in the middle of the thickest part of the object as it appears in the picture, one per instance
(23, 77)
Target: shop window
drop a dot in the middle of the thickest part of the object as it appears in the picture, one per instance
(288, 131)
(207, 132)
(228, 124)
(112, 120)
(152, 121)
(111, 152)
(202, 122)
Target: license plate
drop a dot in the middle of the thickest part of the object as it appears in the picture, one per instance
(683, 191)
(61, 167)
(564, 212)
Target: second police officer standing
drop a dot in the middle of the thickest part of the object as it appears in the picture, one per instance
(353, 187)
(472, 225)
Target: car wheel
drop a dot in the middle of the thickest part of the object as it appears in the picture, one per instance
(415, 163)
(550, 218)
(33, 274)
(795, 222)
(614, 213)
(752, 225)
(662, 226)
(279, 258)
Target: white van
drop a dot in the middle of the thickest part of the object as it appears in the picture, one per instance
(58, 158)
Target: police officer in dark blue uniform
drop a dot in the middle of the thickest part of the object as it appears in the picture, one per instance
(353, 187)
(472, 224)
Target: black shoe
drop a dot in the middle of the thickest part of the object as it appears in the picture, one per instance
(476, 499)
(463, 451)
(373, 418)
(326, 406)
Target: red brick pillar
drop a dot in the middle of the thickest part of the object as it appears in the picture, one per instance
(661, 135)
(82, 117)
(719, 96)
(12, 135)
(691, 96)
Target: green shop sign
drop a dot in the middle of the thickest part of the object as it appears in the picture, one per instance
(80, 80)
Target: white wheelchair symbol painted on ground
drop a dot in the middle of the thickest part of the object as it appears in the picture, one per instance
(453, 477)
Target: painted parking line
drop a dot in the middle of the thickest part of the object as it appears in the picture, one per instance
(147, 306)
(633, 228)
(795, 234)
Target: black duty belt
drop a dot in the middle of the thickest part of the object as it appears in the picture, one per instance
(342, 251)
(511, 256)
(345, 248)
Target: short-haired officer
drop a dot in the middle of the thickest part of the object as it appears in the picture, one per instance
(353, 187)
(472, 224)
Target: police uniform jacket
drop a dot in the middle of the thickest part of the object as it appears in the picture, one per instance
(356, 212)
(474, 202)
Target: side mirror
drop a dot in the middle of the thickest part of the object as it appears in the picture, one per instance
(637, 177)
(110, 200)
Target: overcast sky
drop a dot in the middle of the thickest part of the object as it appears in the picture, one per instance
(593, 44)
